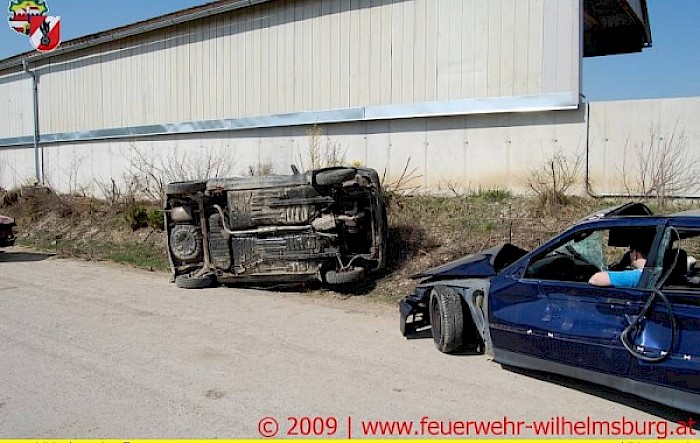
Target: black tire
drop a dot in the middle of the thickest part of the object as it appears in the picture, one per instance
(181, 188)
(186, 243)
(344, 277)
(447, 319)
(331, 177)
(187, 282)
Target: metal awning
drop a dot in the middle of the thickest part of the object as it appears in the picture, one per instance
(615, 27)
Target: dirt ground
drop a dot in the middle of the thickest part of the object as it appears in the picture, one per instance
(104, 351)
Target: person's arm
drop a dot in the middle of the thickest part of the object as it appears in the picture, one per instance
(600, 279)
(618, 279)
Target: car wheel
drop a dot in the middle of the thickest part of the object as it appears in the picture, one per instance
(200, 282)
(447, 318)
(344, 277)
(190, 187)
(334, 176)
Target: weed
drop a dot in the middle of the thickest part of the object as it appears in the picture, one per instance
(156, 219)
(137, 217)
(492, 195)
(321, 152)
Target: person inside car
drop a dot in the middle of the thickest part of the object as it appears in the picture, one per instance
(628, 278)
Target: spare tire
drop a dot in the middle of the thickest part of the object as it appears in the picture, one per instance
(186, 242)
(190, 187)
(331, 177)
(344, 277)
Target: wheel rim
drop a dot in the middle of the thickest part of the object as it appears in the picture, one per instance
(435, 319)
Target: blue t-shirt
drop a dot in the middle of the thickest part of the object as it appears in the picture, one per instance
(625, 279)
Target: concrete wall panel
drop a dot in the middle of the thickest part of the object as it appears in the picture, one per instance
(461, 153)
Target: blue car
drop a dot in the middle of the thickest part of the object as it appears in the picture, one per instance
(537, 310)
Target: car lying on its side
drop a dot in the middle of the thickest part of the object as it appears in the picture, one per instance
(326, 224)
(7, 234)
(536, 310)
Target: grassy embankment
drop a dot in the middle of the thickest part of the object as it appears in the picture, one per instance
(423, 231)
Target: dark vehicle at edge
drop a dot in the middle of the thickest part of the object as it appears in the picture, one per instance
(324, 225)
(7, 234)
(536, 310)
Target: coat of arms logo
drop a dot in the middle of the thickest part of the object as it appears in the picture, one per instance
(30, 17)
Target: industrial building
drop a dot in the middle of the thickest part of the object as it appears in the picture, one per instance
(463, 93)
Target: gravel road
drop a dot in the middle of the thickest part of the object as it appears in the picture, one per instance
(94, 350)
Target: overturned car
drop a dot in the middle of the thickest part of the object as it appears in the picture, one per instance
(537, 310)
(327, 225)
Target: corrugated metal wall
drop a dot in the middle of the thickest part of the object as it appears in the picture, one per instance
(290, 56)
(16, 110)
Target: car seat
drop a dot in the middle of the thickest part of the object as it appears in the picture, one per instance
(678, 270)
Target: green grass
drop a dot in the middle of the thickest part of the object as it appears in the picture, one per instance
(137, 255)
(491, 195)
(128, 253)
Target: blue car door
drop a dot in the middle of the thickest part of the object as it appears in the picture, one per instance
(546, 311)
(665, 341)
(569, 323)
(584, 324)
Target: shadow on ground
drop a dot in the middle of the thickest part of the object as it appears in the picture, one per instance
(22, 256)
(648, 406)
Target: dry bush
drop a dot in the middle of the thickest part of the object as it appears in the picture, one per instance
(113, 193)
(265, 168)
(405, 184)
(663, 166)
(552, 181)
(67, 177)
(9, 197)
(321, 152)
(151, 170)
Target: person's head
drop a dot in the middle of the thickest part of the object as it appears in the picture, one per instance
(638, 253)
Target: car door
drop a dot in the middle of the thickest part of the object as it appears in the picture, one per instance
(666, 341)
(546, 309)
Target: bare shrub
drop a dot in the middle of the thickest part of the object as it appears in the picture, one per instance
(552, 181)
(321, 152)
(114, 193)
(405, 184)
(265, 168)
(663, 166)
(9, 197)
(151, 171)
(68, 178)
